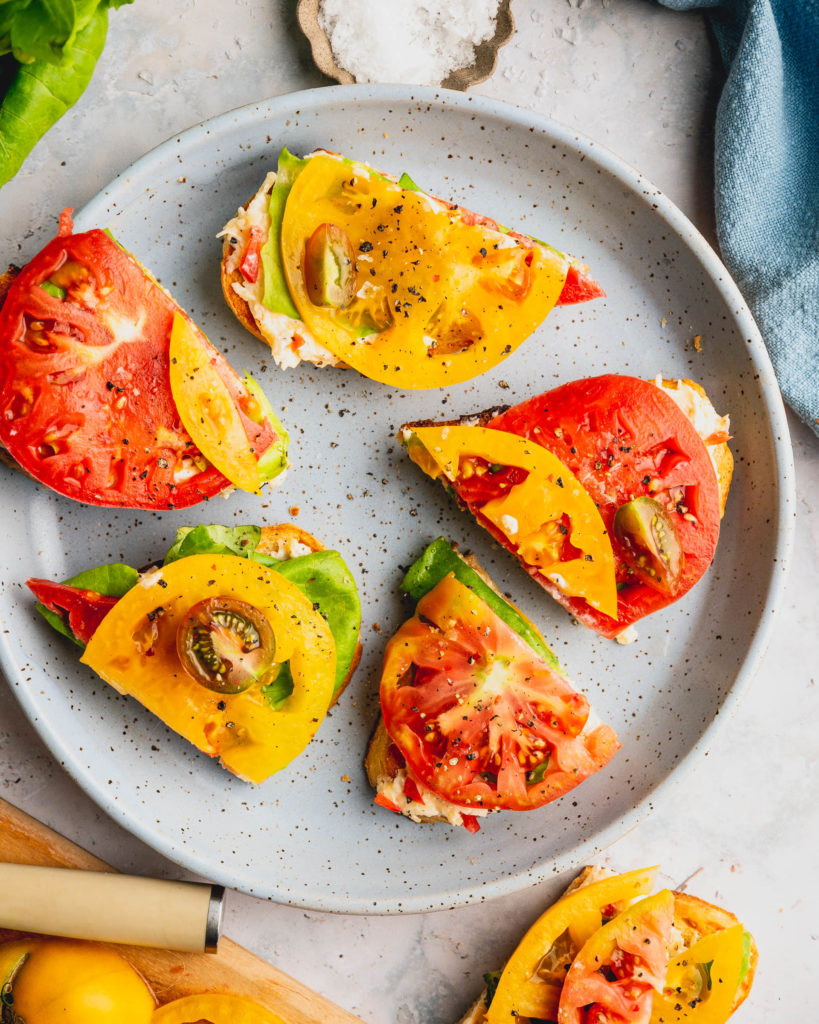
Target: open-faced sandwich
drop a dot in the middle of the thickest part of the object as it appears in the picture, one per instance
(609, 490)
(334, 263)
(239, 641)
(109, 394)
(608, 953)
(477, 715)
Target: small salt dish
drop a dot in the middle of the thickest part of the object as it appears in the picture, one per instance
(483, 64)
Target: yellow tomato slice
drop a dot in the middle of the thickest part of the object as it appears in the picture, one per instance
(640, 937)
(701, 984)
(214, 1008)
(206, 407)
(251, 737)
(73, 983)
(437, 301)
(524, 989)
(530, 514)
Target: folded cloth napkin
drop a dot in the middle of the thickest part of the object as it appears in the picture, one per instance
(767, 177)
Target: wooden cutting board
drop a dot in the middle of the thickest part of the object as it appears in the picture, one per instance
(24, 840)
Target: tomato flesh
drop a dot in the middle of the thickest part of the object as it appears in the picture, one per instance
(613, 978)
(624, 438)
(85, 400)
(479, 718)
(81, 610)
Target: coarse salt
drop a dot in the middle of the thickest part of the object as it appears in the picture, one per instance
(418, 42)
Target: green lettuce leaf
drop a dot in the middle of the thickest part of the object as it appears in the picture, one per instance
(439, 560)
(277, 692)
(326, 581)
(41, 92)
(407, 184)
(276, 293)
(214, 540)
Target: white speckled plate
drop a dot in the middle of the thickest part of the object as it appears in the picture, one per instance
(312, 836)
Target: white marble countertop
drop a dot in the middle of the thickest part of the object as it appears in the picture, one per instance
(745, 821)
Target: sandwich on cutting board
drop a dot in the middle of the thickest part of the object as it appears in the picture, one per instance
(608, 490)
(334, 263)
(608, 953)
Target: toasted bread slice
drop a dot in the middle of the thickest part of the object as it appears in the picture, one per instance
(693, 919)
(383, 761)
(385, 765)
(720, 454)
(5, 281)
(283, 541)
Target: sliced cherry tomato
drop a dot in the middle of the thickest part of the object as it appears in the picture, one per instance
(625, 439)
(479, 717)
(613, 978)
(329, 267)
(86, 405)
(440, 297)
(225, 645)
(81, 610)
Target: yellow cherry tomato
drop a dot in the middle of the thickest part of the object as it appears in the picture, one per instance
(214, 1008)
(56, 981)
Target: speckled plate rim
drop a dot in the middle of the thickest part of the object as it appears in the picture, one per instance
(644, 192)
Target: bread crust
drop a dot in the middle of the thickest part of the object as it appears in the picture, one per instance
(6, 281)
(695, 918)
(287, 533)
(238, 306)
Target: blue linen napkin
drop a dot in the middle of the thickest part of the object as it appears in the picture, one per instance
(767, 177)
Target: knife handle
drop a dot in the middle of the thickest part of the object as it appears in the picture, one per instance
(108, 907)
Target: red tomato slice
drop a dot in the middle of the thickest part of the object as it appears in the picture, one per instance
(85, 399)
(623, 438)
(81, 610)
(580, 286)
(613, 978)
(480, 719)
(251, 258)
